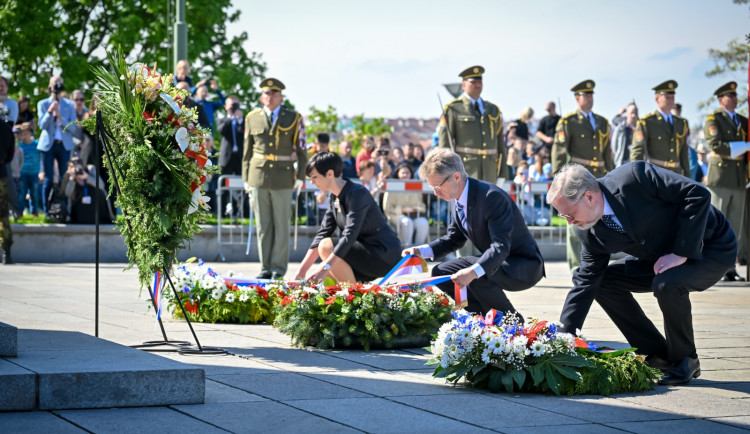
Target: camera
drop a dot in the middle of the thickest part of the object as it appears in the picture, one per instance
(384, 152)
(4, 113)
(58, 87)
(79, 171)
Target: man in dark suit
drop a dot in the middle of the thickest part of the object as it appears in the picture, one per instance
(677, 242)
(232, 130)
(485, 215)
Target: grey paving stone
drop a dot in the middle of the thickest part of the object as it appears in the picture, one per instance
(591, 428)
(683, 400)
(17, 387)
(263, 417)
(384, 359)
(220, 393)
(224, 364)
(297, 360)
(287, 385)
(8, 340)
(380, 383)
(738, 421)
(724, 376)
(138, 420)
(597, 409)
(35, 422)
(683, 426)
(380, 416)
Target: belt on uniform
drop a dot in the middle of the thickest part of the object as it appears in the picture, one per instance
(466, 150)
(662, 163)
(586, 162)
(272, 157)
(724, 157)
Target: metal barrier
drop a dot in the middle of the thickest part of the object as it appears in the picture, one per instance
(237, 232)
(401, 186)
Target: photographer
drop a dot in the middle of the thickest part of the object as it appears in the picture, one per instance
(384, 166)
(80, 191)
(209, 106)
(203, 121)
(56, 117)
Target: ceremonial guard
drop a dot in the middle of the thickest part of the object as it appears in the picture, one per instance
(582, 137)
(727, 176)
(661, 137)
(272, 134)
(474, 128)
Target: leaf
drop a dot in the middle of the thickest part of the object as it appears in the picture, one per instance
(553, 380)
(496, 379)
(519, 376)
(507, 380)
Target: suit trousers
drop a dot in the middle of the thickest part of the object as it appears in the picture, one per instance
(672, 290)
(731, 203)
(273, 213)
(573, 248)
(483, 293)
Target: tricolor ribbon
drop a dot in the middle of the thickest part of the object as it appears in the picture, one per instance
(404, 286)
(409, 264)
(158, 292)
(460, 297)
(247, 282)
(493, 317)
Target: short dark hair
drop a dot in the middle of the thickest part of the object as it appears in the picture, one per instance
(322, 162)
(324, 138)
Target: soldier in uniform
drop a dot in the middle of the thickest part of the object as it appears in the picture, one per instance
(473, 127)
(272, 134)
(582, 137)
(660, 137)
(727, 176)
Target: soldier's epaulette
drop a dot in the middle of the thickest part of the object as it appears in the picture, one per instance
(651, 114)
(451, 102)
(571, 114)
(259, 109)
(717, 111)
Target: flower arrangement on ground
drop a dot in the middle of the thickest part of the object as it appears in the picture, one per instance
(348, 315)
(207, 297)
(498, 352)
(160, 162)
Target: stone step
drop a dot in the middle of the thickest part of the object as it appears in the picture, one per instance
(73, 370)
(8, 340)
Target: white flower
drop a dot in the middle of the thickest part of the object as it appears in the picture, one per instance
(244, 296)
(229, 297)
(216, 294)
(170, 101)
(497, 345)
(183, 138)
(486, 355)
(199, 200)
(538, 348)
(520, 341)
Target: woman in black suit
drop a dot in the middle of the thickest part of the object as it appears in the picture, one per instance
(367, 247)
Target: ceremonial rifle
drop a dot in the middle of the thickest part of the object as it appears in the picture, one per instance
(444, 110)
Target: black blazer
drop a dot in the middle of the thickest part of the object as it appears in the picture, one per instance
(661, 212)
(358, 216)
(497, 228)
(224, 126)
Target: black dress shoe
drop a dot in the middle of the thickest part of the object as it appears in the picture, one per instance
(732, 276)
(264, 275)
(277, 276)
(657, 362)
(682, 372)
(7, 260)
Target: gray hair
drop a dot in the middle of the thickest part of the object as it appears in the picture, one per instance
(571, 182)
(442, 162)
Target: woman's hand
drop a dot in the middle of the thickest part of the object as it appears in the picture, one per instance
(317, 274)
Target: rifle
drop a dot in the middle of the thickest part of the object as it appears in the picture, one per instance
(444, 110)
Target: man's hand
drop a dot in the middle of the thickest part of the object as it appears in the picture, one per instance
(668, 261)
(214, 85)
(53, 108)
(247, 188)
(411, 251)
(464, 277)
(298, 183)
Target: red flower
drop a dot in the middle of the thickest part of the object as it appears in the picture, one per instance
(304, 296)
(534, 330)
(331, 299)
(262, 292)
(191, 306)
(148, 116)
(232, 287)
(287, 300)
(444, 301)
(580, 343)
(174, 120)
(280, 293)
(350, 298)
(333, 289)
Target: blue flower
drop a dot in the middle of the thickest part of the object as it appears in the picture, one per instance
(593, 346)
(185, 289)
(200, 262)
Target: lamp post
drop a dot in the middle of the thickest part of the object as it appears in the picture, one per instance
(180, 34)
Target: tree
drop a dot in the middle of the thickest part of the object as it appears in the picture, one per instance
(322, 121)
(70, 37)
(731, 60)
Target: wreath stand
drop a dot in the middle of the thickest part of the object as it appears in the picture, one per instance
(181, 347)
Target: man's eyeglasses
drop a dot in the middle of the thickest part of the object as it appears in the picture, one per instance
(438, 187)
(79, 99)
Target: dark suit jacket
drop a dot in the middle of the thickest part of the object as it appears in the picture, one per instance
(497, 228)
(661, 212)
(224, 126)
(359, 217)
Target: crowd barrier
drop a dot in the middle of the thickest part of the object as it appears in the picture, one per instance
(529, 197)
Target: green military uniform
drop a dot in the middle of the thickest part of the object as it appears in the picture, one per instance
(477, 135)
(727, 176)
(577, 141)
(268, 170)
(662, 143)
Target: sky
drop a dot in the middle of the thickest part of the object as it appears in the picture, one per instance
(391, 58)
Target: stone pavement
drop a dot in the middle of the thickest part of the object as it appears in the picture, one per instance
(266, 385)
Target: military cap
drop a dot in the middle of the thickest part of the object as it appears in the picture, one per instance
(668, 86)
(730, 87)
(472, 73)
(272, 84)
(586, 86)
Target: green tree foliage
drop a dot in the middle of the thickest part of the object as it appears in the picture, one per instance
(733, 62)
(362, 126)
(322, 121)
(45, 37)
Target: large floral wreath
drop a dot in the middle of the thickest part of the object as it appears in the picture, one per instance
(158, 161)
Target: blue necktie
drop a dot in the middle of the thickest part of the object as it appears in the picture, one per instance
(234, 135)
(610, 222)
(736, 121)
(461, 214)
(669, 120)
(592, 120)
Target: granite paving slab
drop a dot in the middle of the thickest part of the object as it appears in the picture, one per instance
(287, 385)
(35, 422)
(18, 389)
(383, 384)
(683, 426)
(138, 420)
